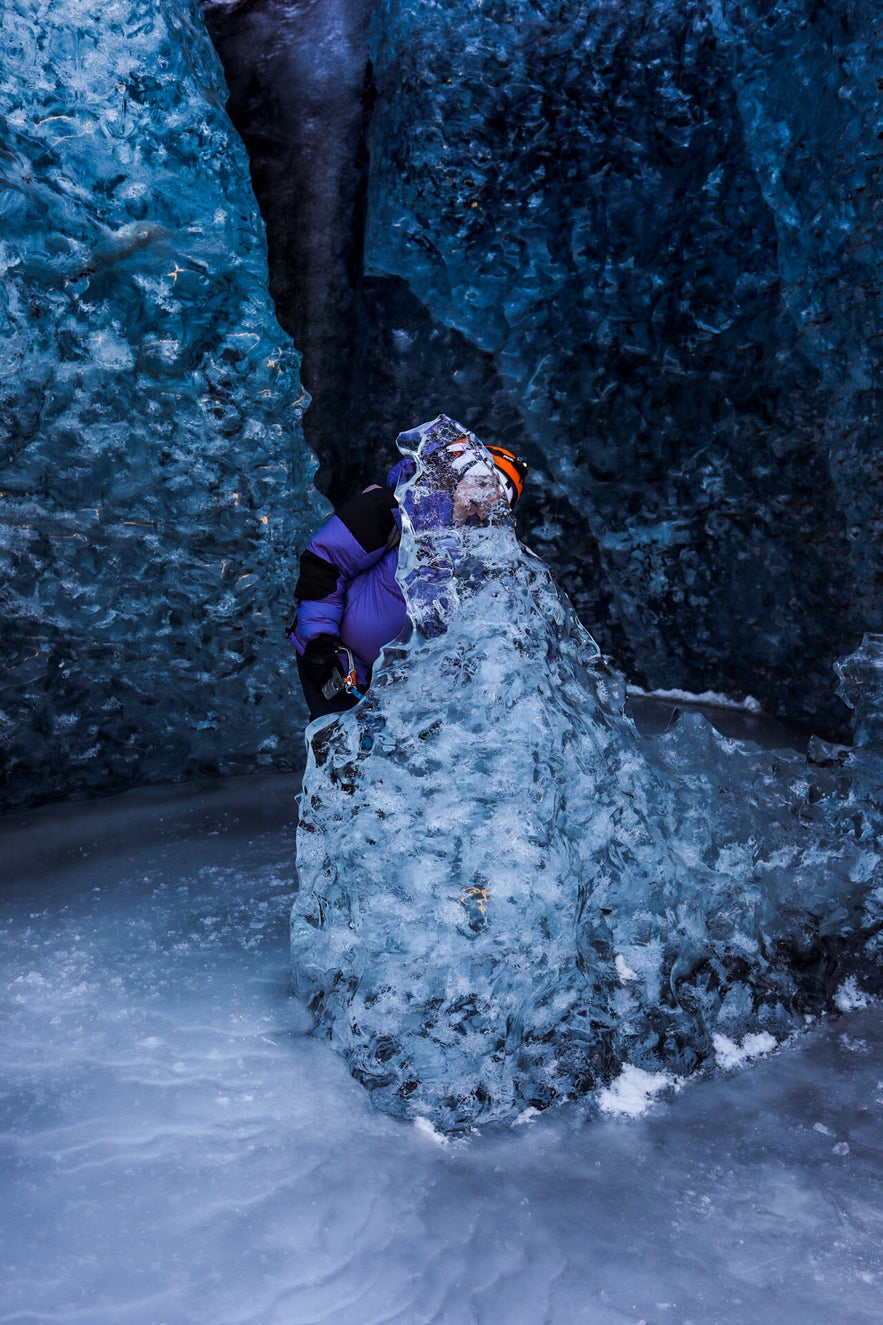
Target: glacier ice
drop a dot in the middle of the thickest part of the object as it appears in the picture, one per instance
(655, 222)
(861, 687)
(506, 893)
(155, 483)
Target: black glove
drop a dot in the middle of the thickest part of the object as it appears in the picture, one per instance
(320, 658)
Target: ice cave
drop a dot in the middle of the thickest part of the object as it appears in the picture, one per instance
(541, 986)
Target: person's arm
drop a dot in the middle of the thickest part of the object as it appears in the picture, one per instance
(352, 541)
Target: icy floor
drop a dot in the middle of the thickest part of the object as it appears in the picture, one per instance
(176, 1149)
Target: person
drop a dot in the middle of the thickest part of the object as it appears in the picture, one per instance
(349, 603)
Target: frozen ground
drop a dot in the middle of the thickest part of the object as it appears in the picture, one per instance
(177, 1149)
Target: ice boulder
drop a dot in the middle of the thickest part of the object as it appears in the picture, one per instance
(505, 893)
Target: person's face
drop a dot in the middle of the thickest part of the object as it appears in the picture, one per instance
(475, 496)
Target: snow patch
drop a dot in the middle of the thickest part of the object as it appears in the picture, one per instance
(425, 1128)
(634, 1090)
(526, 1116)
(624, 971)
(849, 998)
(730, 1054)
(711, 698)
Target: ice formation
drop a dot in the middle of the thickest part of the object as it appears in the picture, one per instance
(155, 483)
(506, 893)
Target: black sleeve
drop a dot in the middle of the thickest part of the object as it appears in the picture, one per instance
(369, 517)
(317, 579)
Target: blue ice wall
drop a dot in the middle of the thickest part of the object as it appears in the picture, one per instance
(659, 224)
(155, 483)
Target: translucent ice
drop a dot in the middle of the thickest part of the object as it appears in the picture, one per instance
(155, 483)
(861, 686)
(506, 894)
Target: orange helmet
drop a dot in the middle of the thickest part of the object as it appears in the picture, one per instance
(512, 469)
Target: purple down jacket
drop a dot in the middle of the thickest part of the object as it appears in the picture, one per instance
(347, 584)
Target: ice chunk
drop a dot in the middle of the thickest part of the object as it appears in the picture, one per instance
(485, 837)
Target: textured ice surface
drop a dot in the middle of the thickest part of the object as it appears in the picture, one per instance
(861, 687)
(155, 485)
(657, 222)
(175, 1148)
(506, 894)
